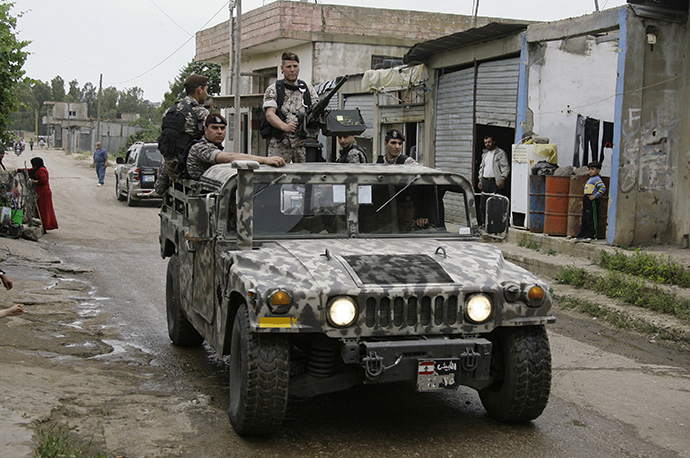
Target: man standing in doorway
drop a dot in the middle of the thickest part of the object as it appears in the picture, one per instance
(493, 172)
(282, 100)
(393, 142)
(100, 161)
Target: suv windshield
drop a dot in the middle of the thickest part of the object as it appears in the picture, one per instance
(321, 209)
(150, 157)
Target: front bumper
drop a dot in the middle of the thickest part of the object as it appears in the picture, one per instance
(393, 361)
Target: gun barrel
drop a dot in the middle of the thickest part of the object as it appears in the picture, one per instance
(323, 103)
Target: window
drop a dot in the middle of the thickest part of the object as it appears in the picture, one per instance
(299, 208)
(385, 62)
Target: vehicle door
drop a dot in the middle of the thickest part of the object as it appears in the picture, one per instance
(131, 164)
(197, 265)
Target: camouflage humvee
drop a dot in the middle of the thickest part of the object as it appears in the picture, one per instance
(318, 277)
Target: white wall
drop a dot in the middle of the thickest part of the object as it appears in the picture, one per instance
(571, 78)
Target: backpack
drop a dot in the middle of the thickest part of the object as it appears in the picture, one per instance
(267, 130)
(173, 139)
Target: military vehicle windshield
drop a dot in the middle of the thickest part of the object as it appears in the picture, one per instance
(296, 209)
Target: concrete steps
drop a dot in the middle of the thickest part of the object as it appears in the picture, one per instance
(546, 256)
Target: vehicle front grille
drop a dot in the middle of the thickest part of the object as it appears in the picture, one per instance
(401, 312)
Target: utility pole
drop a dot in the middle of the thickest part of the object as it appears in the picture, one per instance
(236, 77)
(98, 112)
(596, 5)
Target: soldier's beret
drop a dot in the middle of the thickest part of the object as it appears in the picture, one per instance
(215, 118)
(394, 133)
(196, 80)
(287, 55)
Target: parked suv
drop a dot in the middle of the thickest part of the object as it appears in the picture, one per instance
(318, 277)
(136, 174)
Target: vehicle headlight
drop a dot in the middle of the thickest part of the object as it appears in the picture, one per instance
(534, 295)
(342, 311)
(279, 301)
(478, 308)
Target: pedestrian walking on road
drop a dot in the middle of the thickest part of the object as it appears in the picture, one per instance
(100, 161)
(41, 181)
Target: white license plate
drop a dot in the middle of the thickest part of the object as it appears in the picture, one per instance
(437, 374)
(148, 178)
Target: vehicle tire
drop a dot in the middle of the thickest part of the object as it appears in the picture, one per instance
(131, 201)
(118, 193)
(180, 330)
(521, 369)
(259, 377)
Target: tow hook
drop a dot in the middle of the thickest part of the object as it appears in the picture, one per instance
(373, 365)
(470, 359)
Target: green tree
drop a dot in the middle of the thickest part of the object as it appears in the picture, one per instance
(130, 100)
(90, 97)
(150, 133)
(177, 87)
(12, 58)
(109, 97)
(75, 94)
(57, 87)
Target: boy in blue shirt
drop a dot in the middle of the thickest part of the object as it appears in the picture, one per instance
(594, 189)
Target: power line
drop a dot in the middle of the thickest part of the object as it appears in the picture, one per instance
(181, 46)
(166, 15)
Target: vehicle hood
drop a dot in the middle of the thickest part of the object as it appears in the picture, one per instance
(351, 265)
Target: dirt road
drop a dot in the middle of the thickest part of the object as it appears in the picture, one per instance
(92, 352)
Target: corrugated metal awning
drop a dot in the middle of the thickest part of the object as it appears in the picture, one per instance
(421, 52)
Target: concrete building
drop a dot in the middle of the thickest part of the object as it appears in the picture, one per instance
(331, 40)
(626, 67)
(70, 128)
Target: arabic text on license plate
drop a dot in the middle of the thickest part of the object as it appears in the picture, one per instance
(437, 374)
(149, 178)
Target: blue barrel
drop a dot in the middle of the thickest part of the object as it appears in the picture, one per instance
(537, 202)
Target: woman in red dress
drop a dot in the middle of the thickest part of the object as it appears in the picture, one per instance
(39, 177)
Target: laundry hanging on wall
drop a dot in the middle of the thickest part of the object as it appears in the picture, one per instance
(587, 139)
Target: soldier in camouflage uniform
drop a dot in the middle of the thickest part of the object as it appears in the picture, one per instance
(393, 143)
(196, 87)
(351, 151)
(289, 147)
(209, 151)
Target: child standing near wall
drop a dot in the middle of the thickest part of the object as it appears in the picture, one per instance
(594, 189)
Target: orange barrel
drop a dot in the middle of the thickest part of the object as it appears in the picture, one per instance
(537, 185)
(556, 205)
(577, 192)
(602, 214)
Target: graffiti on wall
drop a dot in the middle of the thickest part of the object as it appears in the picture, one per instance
(646, 161)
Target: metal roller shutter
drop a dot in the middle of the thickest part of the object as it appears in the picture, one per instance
(497, 87)
(365, 103)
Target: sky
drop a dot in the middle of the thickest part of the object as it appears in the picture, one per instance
(145, 43)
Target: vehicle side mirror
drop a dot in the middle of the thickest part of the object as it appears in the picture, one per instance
(119, 160)
(497, 216)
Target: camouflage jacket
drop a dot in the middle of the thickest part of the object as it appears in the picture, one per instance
(294, 102)
(353, 154)
(202, 155)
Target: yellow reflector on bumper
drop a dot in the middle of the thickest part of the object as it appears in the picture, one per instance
(277, 322)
